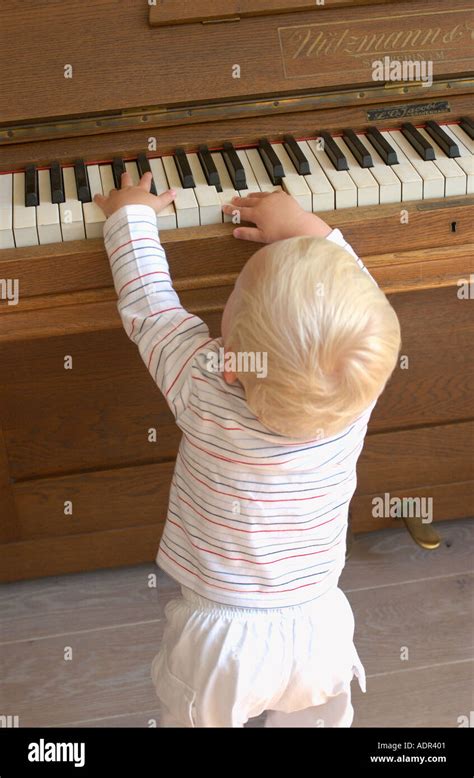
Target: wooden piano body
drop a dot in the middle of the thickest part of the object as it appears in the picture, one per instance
(80, 437)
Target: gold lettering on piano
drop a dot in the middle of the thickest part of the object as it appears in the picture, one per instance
(313, 49)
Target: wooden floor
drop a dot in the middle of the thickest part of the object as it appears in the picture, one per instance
(402, 596)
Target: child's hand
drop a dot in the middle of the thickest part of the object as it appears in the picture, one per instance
(134, 195)
(276, 216)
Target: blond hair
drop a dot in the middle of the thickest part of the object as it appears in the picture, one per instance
(331, 337)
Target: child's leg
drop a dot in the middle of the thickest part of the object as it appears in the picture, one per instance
(337, 712)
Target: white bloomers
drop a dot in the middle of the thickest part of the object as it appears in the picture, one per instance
(220, 665)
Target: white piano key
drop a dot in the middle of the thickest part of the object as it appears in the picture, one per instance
(209, 204)
(70, 212)
(411, 181)
(252, 183)
(107, 178)
(455, 179)
(47, 212)
(228, 191)
(462, 137)
(94, 217)
(390, 187)
(24, 219)
(7, 240)
(185, 203)
(292, 183)
(340, 180)
(323, 194)
(260, 173)
(166, 219)
(433, 180)
(366, 184)
(467, 166)
(132, 169)
(465, 161)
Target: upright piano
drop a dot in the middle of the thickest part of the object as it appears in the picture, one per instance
(333, 102)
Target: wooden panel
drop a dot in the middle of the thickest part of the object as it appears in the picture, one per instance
(80, 552)
(169, 12)
(102, 500)
(450, 501)
(243, 123)
(109, 500)
(93, 416)
(273, 58)
(137, 496)
(58, 421)
(409, 459)
(438, 384)
(211, 256)
(8, 523)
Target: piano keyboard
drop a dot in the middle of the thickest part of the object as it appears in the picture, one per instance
(50, 205)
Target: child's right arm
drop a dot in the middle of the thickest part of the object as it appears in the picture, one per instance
(167, 336)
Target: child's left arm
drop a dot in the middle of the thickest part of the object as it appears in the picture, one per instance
(277, 216)
(166, 334)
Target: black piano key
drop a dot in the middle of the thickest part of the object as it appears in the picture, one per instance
(418, 142)
(209, 168)
(82, 181)
(382, 146)
(333, 151)
(184, 170)
(57, 185)
(118, 167)
(467, 125)
(144, 167)
(358, 149)
(270, 160)
(449, 146)
(31, 186)
(296, 155)
(234, 166)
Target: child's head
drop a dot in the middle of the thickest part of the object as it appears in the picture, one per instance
(331, 337)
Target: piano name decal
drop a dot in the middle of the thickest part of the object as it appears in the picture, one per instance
(326, 49)
(408, 110)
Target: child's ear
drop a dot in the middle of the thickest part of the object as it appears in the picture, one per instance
(229, 376)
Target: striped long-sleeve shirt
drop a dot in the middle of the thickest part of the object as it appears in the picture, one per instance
(254, 519)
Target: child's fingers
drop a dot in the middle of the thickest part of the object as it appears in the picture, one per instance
(162, 200)
(145, 181)
(246, 202)
(99, 199)
(125, 180)
(249, 233)
(257, 195)
(244, 213)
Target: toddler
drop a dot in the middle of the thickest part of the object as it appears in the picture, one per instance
(273, 415)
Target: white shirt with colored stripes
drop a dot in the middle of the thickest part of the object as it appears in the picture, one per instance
(254, 519)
